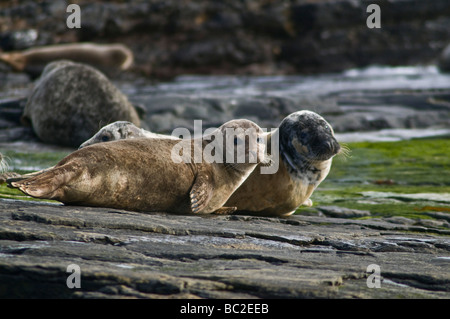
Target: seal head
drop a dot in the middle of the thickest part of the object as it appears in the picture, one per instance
(306, 138)
(121, 130)
(115, 131)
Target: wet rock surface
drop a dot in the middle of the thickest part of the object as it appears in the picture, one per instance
(360, 100)
(125, 254)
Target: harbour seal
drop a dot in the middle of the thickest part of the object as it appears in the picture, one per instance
(102, 56)
(71, 101)
(120, 130)
(142, 175)
(306, 148)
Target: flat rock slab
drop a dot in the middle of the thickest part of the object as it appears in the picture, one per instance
(124, 254)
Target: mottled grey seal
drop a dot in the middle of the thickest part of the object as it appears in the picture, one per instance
(306, 148)
(141, 174)
(71, 101)
(121, 130)
(102, 56)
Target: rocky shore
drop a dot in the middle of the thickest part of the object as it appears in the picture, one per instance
(387, 207)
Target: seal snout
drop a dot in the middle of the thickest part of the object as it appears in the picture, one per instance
(327, 148)
(332, 146)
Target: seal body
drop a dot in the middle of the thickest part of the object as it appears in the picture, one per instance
(306, 148)
(141, 174)
(71, 101)
(102, 56)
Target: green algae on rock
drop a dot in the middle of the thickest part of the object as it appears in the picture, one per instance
(390, 179)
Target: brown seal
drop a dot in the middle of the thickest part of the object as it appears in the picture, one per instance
(148, 175)
(103, 56)
(118, 130)
(306, 148)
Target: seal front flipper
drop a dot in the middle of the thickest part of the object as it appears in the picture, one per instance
(201, 192)
(307, 203)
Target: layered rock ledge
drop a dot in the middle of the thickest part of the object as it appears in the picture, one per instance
(124, 254)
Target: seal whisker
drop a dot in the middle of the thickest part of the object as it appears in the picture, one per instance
(268, 160)
(4, 163)
(344, 152)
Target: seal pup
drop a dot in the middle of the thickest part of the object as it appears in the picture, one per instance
(306, 148)
(122, 130)
(103, 56)
(145, 174)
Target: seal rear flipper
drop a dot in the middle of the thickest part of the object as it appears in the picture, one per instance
(201, 192)
(5, 177)
(225, 210)
(47, 185)
(10, 177)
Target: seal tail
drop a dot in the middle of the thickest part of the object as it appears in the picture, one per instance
(47, 185)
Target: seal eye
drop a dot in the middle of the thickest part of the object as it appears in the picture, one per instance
(105, 138)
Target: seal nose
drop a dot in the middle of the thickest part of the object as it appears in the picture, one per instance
(253, 157)
(337, 147)
(329, 147)
(332, 146)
